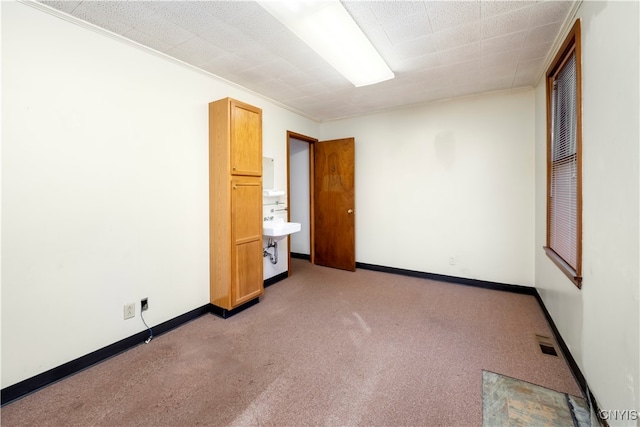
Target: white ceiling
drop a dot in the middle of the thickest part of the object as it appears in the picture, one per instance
(437, 49)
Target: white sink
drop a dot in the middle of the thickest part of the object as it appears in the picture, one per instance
(278, 229)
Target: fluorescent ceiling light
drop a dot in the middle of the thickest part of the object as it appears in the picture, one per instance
(328, 29)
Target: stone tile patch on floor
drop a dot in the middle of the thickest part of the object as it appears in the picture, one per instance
(511, 402)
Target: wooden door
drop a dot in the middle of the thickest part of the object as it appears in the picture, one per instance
(334, 204)
(246, 236)
(246, 139)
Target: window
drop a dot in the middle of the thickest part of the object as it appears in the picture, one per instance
(564, 164)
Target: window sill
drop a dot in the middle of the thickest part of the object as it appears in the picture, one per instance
(564, 267)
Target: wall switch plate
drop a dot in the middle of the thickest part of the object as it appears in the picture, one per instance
(129, 310)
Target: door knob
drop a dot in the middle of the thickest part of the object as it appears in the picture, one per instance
(350, 211)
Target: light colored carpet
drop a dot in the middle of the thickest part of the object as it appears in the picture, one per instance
(510, 402)
(323, 347)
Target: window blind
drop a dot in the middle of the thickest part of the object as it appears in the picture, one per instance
(563, 201)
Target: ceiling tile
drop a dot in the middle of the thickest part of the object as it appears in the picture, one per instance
(379, 39)
(544, 34)
(311, 89)
(460, 54)
(278, 67)
(197, 51)
(98, 14)
(529, 70)
(431, 76)
(279, 88)
(499, 72)
(146, 40)
(472, 66)
(391, 12)
(189, 15)
(257, 25)
(226, 66)
(502, 59)
(522, 81)
(226, 36)
(416, 63)
(535, 51)
(229, 11)
(505, 23)
(297, 79)
(411, 27)
(161, 29)
(130, 13)
(455, 37)
(255, 53)
(494, 85)
(496, 7)
(361, 12)
(64, 5)
(444, 15)
(437, 49)
(283, 44)
(410, 49)
(505, 43)
(543, 13)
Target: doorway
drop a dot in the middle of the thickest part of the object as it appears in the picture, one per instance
(320, 181)
(300, 149)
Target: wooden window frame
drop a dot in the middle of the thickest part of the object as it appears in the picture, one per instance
(571, 44)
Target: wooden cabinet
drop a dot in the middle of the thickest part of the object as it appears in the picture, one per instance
(235, 204)
(246, 135)
(246, 235)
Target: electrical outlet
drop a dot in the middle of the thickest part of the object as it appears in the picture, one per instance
(144, 304)
(130, 310)
(452, 260)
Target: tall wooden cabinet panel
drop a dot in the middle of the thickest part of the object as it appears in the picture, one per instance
(235, 203)
(246, 134)
(246, 236)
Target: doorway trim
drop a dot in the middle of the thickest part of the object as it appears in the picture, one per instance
(311, 141)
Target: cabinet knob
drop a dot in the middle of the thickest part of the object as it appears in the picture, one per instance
(350, 211)
(234, 168)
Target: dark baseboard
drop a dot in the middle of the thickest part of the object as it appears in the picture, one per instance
(30, 385)
(225, 314)
(518, 289)
(300, 256)
(573, 366)
(44, 379)
(275, 279)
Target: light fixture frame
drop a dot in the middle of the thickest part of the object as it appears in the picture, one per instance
(327, 27)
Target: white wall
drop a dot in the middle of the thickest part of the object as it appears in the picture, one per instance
(104, 187)
(600, 323)
(105, 194)
(299, 196)
(453, 179)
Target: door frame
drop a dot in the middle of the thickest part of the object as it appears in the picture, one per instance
(311, 141)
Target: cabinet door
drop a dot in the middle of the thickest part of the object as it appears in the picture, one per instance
(247, 275)
(246, 139)
(246, 223)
